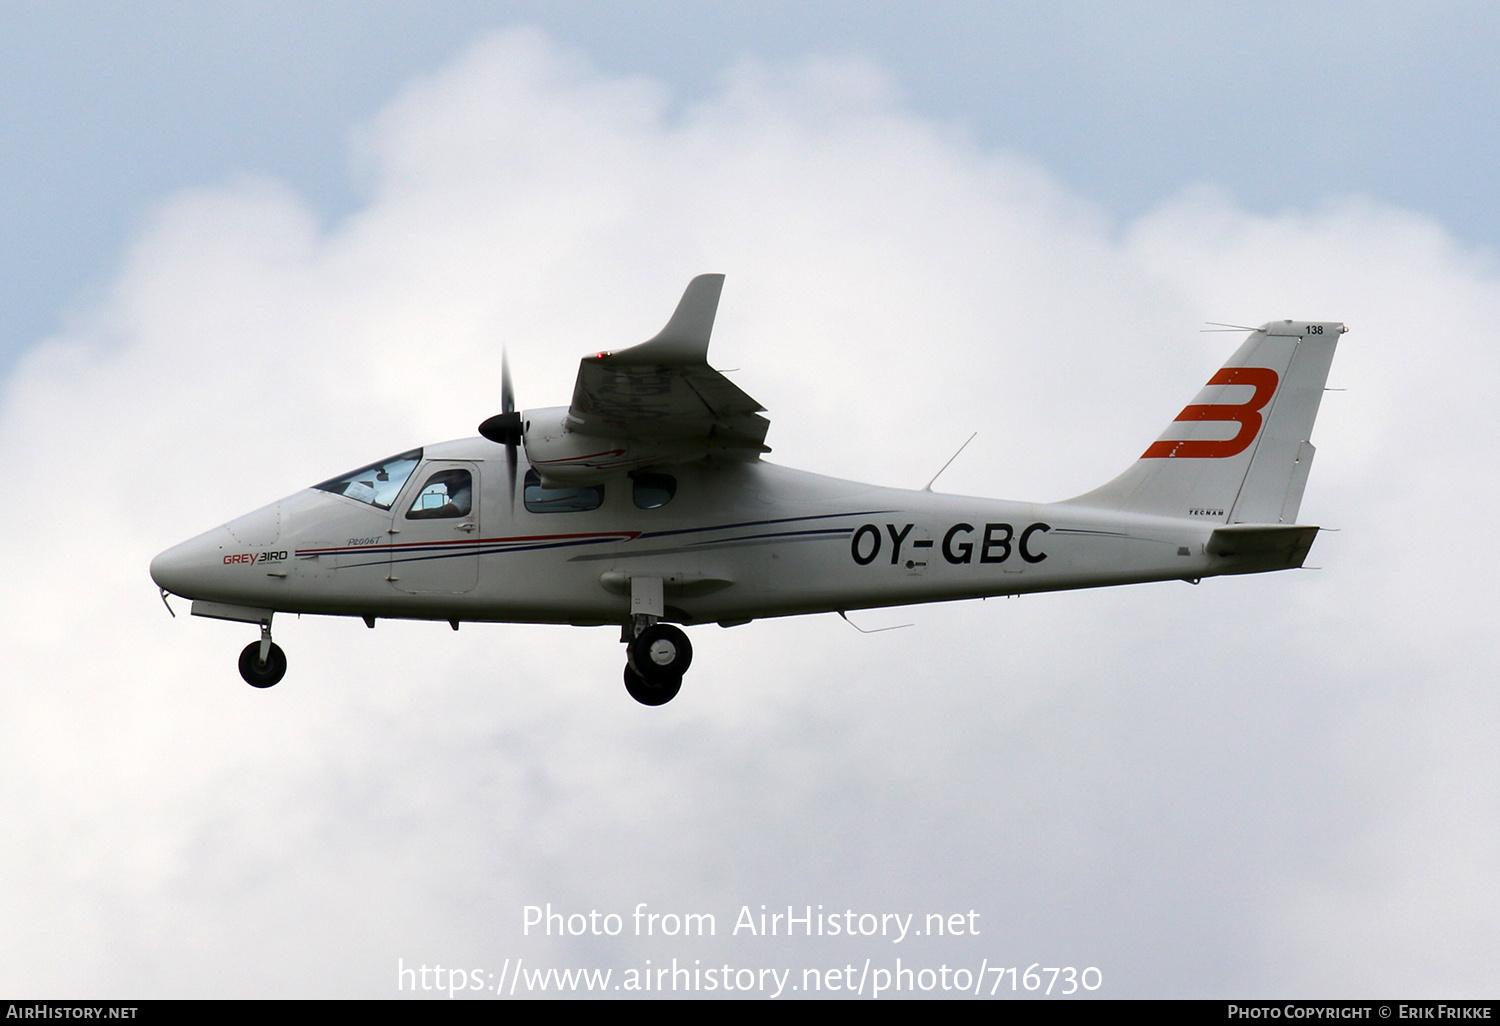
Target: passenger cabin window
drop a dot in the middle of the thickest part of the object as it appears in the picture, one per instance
(652, 490)
(560, 500)
(379, 483)
(448, 493)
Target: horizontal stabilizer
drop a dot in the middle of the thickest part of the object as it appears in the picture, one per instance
(1254, 548)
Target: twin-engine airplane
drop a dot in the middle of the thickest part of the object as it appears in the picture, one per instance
(646, 504)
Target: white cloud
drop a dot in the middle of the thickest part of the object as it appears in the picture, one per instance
(1274, 785)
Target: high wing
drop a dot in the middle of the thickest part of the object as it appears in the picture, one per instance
(663, 390)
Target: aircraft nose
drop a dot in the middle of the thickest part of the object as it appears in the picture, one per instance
(187, 569)
(196, 569)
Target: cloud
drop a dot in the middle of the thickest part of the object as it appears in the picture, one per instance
(1269, 785)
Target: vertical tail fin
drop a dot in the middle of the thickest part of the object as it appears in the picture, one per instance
(1240, 452)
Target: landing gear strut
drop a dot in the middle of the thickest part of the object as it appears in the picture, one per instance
(656, 659)
(263, 663)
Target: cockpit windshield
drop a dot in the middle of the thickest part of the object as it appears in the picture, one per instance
(379, 483)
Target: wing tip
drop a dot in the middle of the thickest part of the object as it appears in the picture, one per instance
(686, 335)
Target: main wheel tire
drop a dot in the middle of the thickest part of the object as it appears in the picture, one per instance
(258, 674)
(660, 653)
(647, 693)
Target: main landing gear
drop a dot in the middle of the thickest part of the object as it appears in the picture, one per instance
(656, 656)
(263, 663)
(655, 660)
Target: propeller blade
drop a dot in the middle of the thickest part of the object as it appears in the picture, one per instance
(510, 470)
(507, 394)
(505, 427)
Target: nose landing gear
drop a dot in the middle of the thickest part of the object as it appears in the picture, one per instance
(263, 663)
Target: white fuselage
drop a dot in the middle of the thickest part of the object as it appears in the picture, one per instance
(736, 542)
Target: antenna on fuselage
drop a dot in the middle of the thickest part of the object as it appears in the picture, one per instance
(944, 467)
(872, 630)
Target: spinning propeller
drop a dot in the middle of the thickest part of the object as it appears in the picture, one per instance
(505, 426)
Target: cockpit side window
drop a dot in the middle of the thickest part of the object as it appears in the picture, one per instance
(379, 483)
(560, 500)
(448, 493)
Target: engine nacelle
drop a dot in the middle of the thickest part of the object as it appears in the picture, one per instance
(567, 459)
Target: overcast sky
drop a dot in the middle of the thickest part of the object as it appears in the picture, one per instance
(250, 246)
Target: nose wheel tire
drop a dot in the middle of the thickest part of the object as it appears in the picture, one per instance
(659, 654)
(648, 693)
(262, 674)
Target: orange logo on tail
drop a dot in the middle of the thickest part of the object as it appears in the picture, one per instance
(1247, 414)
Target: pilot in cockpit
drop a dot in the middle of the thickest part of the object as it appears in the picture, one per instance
(447, 494)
